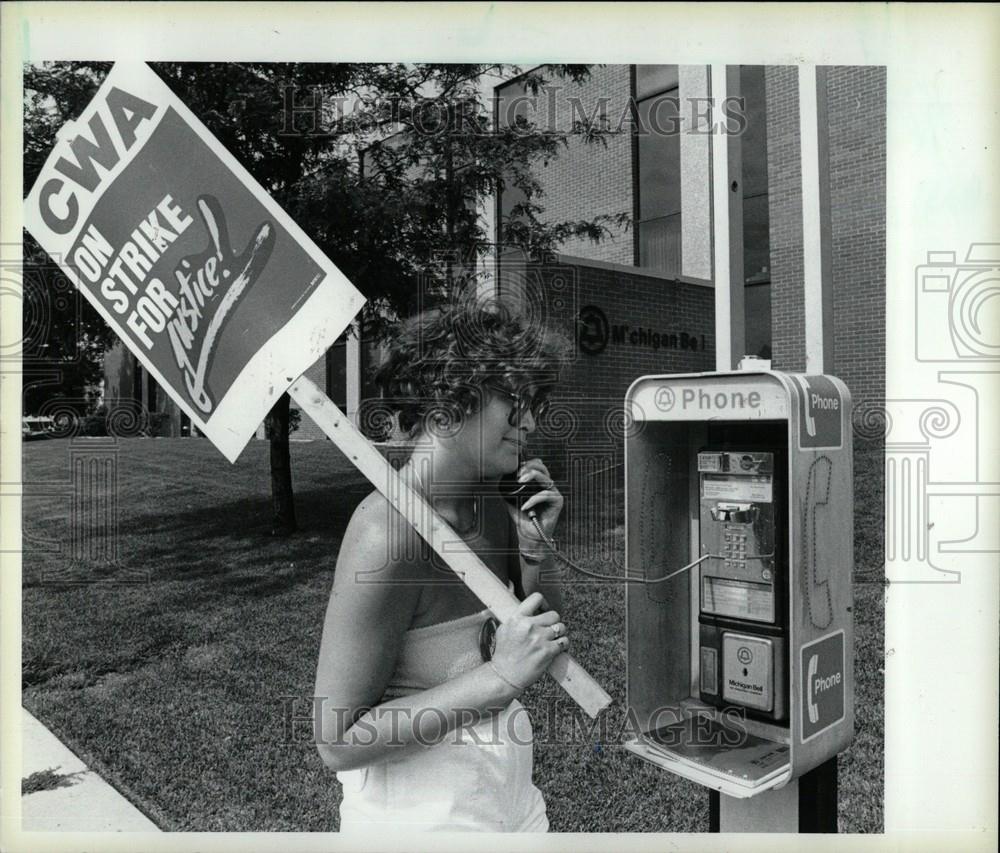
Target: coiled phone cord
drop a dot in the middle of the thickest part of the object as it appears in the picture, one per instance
(555, 550)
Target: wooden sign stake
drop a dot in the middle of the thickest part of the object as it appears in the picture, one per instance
(572, 677)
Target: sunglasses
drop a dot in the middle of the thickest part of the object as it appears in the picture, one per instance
(523, 403)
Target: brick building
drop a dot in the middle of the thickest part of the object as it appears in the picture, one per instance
(642, 300)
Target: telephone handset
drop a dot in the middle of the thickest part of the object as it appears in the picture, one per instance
(516, 493)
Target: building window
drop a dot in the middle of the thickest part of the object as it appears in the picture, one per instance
(658, 162)
(510, 104)
(336, 371)
(756, 237)
(151, 397)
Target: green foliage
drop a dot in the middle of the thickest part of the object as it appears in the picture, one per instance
(408, 224)
(385, 166)
(64, 338)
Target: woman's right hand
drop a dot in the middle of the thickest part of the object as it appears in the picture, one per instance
(528, 641)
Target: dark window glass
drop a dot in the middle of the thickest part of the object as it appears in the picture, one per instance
(757, 303)
(756, 236)
(756, 242)
(659, 168)
(754, 136)
(137, 370)
(659, 157)
(511, 105)
(151, 401)
(372, 356)
(660, 244)
(651, 79)
(336, 372)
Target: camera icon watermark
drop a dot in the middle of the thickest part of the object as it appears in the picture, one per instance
(50, 309)
(967, 293)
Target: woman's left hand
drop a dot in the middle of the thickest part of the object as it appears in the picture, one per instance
(547, 505)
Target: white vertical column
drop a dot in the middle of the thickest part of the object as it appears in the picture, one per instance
(772, 811)
(352, 370)
(486, 206)
(486, 266)
(727, 230)
(693, 88)
(816, 230)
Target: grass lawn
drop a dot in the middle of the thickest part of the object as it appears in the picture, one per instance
(172, 673)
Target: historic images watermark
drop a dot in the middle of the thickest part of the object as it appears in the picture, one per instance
(556, 722)
(554, 109)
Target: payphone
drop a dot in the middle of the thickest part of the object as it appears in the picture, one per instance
(740, 668)
(742, 614)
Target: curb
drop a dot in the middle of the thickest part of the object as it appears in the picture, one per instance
(75, 798)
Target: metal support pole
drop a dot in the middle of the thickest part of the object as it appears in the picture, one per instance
(816, 228)
(809, 803)
(352, 370)
(694, 89)
(727, 218)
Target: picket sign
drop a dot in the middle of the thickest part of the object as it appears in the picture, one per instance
(216, 291)
(488, 588)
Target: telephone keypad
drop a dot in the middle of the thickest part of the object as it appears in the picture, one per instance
(734, 549)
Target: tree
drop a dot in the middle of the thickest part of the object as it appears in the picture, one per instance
(63, 337)
(403, 224)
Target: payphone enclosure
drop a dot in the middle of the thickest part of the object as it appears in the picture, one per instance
(740, 670)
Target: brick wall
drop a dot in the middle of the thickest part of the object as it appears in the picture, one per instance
(784, 178)
(856, 105)
(856, 110)
(586, 418)
(586, 180)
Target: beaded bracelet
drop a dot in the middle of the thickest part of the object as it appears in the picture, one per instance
(534, 559)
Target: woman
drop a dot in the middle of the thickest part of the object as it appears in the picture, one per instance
(420, 718)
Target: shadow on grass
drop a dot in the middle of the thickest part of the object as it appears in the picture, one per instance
(229, 546)
(321, 512)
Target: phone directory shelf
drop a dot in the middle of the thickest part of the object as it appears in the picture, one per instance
(702, 750)
(748, 657)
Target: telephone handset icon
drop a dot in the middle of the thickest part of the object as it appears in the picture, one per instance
(808, 419)
(816, 580)
(811, 679)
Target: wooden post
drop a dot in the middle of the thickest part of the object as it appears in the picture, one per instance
(572, 677)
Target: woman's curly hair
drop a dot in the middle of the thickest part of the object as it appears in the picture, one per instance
(440, 360)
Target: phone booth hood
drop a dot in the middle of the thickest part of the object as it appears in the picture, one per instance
(803, 423)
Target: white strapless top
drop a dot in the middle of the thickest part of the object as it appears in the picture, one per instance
(477, 778)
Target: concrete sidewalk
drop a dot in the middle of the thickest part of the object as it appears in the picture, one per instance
(79, 800)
